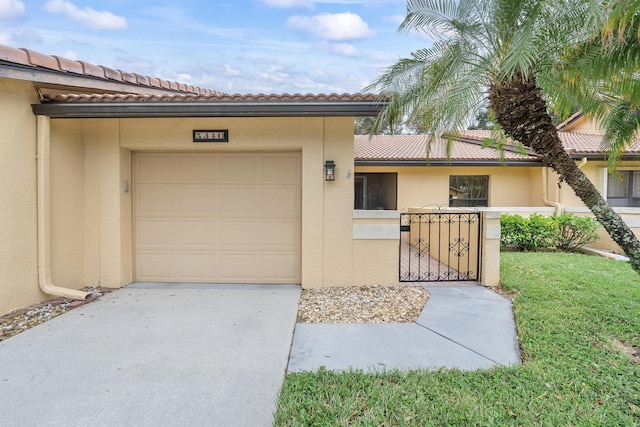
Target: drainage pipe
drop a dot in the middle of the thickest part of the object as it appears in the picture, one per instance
(43, 160)
(545, 193)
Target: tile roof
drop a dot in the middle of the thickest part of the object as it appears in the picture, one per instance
(574, 142)
(399, 148)
(216, 96)
(32, 59)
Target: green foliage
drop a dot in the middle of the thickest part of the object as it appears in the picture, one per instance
(527, 234)
(575, 54)
(578, 319)
(575, 231)
(565, 232)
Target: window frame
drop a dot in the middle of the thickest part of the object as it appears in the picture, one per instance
(452, 200)
(364, 176)
(630, 198)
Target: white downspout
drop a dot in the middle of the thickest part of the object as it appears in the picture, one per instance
(44, 215)
(545, 193)
(582, 163)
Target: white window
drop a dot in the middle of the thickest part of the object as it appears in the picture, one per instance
(624, 190)
(468, 190)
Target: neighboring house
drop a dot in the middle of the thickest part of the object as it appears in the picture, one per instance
(109, 177)
(472, 176)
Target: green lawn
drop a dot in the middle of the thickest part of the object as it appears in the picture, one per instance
(578, 320)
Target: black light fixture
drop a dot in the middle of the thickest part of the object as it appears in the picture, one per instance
(329, 170)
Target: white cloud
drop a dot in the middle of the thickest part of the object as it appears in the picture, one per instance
(69, 54)
(231, 72)
(345, 49)
(331, 26)
(11, 9)
(100, 20)
(275, 74)
(6, 39)
(289, 3)
(396, 19)
(183, 78)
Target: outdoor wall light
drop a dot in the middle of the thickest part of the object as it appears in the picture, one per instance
(329, 170)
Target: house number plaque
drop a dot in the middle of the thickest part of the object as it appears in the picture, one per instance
(211, 135)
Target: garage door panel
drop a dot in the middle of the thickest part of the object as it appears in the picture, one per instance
(154, 168)
(155, 266)
(154, 200)
(280, 268)
(196, 234)
(218, 217)
(197, 266)
(283, 235)
(238, 234)
(200, 200)
(240, 168)
(196, 168)
(240, 267)
(281, 168)
(242, 201)
(154, 233)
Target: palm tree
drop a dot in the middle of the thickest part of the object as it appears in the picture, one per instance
(516, 56)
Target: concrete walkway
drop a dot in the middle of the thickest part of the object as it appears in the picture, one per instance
(465, 327)
(183, 355)
(189, 354)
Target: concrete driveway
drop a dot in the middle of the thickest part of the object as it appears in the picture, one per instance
(147, 356)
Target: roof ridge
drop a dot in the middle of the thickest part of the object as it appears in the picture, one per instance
(30, 58)
(213, 96)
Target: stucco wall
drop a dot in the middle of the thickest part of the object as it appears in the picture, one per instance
(18, 233)
(596, 171)
(419, 186)
(67, 204)
(326, 206)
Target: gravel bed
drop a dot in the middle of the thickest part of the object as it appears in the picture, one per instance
(363, 304)
(20, 320)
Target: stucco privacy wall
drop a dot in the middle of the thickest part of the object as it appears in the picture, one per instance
(326, 206)
(18, 220)
(376, 247)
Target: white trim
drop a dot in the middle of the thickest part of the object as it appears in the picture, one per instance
(376, 232)
(493, 232)
(604, 176)
(376, 214)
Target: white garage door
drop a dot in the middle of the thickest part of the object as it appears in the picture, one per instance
(219, 218)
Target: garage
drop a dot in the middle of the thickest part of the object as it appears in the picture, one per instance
(217, 217)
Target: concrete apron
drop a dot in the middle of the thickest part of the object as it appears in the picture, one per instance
(461, 327)
(169, 355)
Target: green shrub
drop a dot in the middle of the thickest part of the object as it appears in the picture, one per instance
(564, 232)
(575, 231)
(527, 234)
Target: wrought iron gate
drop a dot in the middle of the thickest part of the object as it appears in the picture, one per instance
(438, 246)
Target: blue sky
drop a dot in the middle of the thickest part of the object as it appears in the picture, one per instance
(247, 46)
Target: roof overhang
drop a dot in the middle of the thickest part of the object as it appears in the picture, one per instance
(207, 109)
(396, 163)
(603, 156)
(67, 82)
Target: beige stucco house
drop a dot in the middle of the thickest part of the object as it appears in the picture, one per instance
(108, 177)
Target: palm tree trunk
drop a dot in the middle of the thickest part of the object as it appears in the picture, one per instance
(522, 113)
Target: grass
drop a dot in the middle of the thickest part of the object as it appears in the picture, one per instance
(578, 320)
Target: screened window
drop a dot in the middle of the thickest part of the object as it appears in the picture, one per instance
(374, 191)
(468, 190)
(624, 190)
